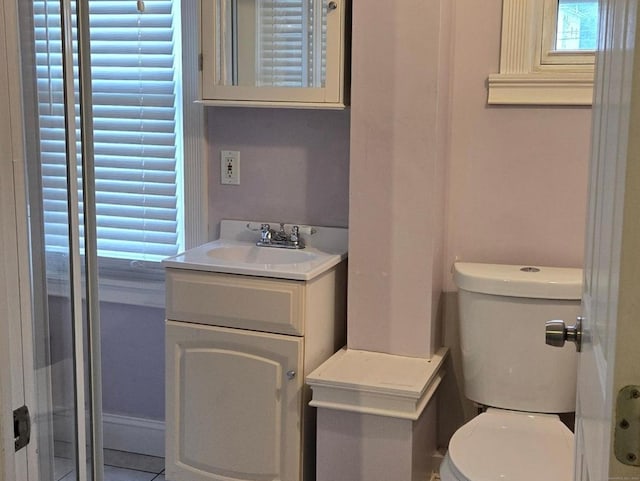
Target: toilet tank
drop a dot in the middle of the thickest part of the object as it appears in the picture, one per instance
(502, 311)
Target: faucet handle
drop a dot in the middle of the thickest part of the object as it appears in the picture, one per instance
(265, 232)
(295, 233)
(295, 238)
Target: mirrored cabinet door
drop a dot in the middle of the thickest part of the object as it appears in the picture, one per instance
(274, 52)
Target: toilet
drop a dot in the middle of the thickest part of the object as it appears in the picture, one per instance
(508, 368)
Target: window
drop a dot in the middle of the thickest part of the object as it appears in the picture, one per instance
(137, 124)
(576, 25)
(547, 53)
(138, 131)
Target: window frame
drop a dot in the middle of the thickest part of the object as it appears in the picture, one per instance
(193, 180)
(548, 54)
(531, 71)
(142, 283)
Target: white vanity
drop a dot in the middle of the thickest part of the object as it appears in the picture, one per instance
(245, 325)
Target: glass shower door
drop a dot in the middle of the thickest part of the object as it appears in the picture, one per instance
(67, 416)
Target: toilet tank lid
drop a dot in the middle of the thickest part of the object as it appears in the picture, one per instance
(534, 282)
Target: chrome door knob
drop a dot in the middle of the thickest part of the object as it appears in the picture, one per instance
(557, 333)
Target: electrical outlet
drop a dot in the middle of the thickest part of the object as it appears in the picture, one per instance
(230, 167)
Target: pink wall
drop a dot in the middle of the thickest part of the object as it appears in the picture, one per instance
(132, 343)
(294, 165)
(517, 176)
(398, 130)
(517, 182)
(514, 178)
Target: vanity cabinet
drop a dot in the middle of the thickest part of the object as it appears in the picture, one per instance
(275, 54)
(238, 349)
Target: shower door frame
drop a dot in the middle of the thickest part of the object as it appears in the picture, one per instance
(16, 347)
(196, 217)
(17, 369)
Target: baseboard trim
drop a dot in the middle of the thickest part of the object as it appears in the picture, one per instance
(121, 433)
(135, 435)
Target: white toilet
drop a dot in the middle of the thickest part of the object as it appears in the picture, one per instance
(508, 368)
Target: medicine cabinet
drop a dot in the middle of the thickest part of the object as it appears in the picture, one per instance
(270, 53)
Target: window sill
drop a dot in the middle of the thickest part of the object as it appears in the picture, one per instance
(149, 293)
(541, 89)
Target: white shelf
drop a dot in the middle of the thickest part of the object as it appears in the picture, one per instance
(377, 383)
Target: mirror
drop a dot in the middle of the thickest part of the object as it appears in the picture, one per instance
(272, 43)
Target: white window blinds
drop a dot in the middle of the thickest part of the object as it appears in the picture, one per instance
(292, 43)
(135, 83)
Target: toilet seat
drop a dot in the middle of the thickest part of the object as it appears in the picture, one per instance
(511, 446)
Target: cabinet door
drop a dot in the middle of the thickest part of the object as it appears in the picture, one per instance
(273, 53)
(233, 413)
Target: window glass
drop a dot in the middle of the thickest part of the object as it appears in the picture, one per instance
(137, 126)
(577, 27)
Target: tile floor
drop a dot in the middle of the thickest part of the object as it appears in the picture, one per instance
(119, 466)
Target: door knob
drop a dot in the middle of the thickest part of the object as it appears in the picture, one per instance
(557, 333)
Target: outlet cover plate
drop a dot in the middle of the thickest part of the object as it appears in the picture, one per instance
(230, 167)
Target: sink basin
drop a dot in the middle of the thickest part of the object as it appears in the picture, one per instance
(260, 255)
(235, 252)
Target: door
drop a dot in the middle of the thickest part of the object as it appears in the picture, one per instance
(234, 404)
(610, 356)
(12, 385)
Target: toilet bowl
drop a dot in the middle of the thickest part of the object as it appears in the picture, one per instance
(508, 368)
(510, 446)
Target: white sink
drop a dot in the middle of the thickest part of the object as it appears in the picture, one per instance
(260, 255)
(236, 253)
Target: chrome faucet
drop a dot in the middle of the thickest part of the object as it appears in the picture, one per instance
(272, 238)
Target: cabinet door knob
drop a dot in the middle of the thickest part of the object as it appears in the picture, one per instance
(291, 374)
(332, 6)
